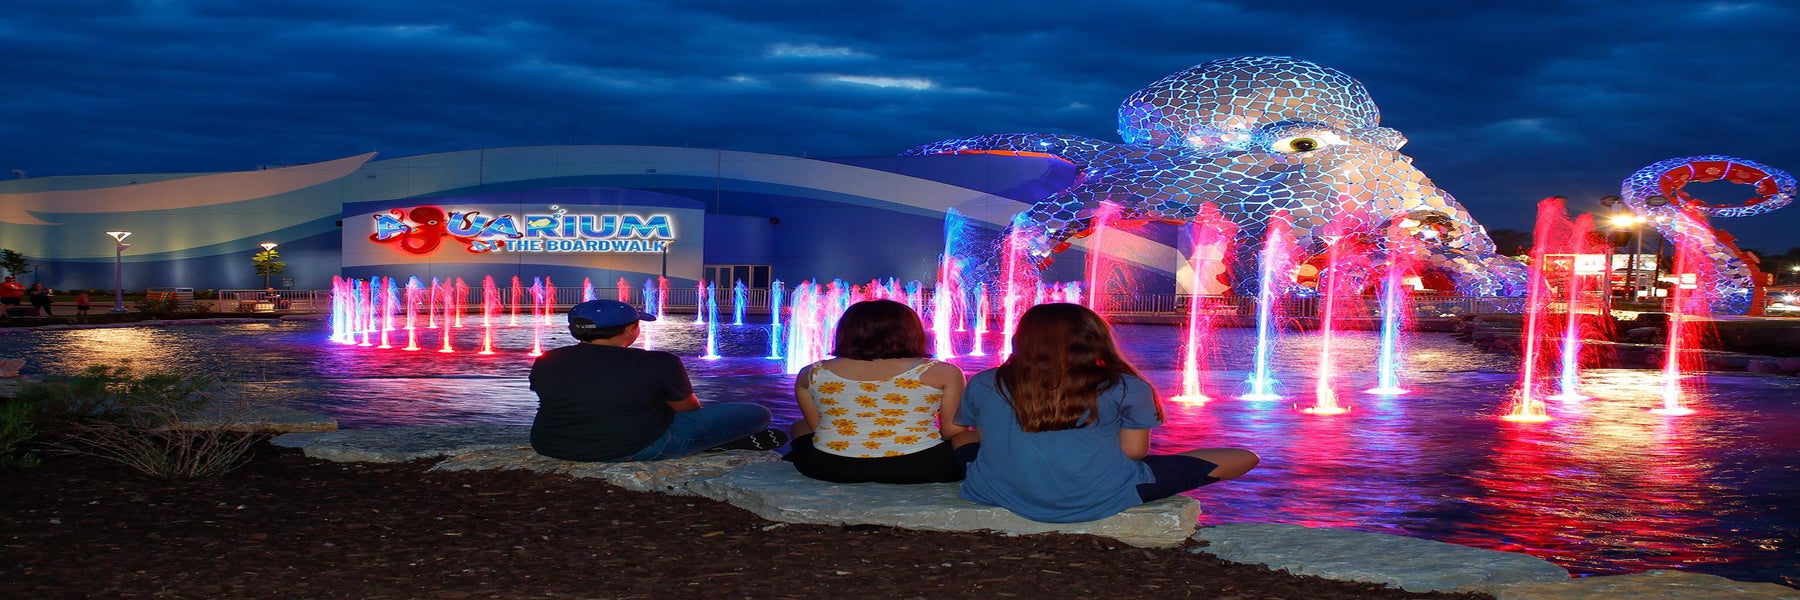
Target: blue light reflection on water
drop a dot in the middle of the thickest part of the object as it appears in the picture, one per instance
(1606, 486)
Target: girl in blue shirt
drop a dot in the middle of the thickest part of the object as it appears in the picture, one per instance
(1061, 430)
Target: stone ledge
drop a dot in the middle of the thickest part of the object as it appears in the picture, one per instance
(1411, 564)
(401, 444)
(1649, 585)
(674, 476)
(777, 492)
(265, 419)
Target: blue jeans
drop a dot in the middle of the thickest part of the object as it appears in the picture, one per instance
(697, 430)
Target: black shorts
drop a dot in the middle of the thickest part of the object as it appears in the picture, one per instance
(1174, 473)
(936, 464)
(12, 301)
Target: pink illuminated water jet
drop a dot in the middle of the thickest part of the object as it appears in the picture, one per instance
(1275, 272)
(1553, 226)
(1396, 302)
(1098, 265)
(1690, 311)
(1579, 280)
(1336, 281)
(1209, 248)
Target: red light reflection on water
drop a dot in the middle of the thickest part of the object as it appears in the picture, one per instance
(1606, 479)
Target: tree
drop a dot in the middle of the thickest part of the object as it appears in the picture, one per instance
(1510, 242)
(268, 263)
(13, 262)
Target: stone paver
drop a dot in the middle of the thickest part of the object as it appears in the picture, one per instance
(401, 444)
(779, 493)
(676, 476)
(1411, 564)
(264, 419)
(1649, 585)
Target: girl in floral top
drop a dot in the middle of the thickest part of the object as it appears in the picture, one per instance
(881, 410)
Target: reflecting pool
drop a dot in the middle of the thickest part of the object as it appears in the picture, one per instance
(1606, 486)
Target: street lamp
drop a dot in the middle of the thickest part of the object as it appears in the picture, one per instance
(267, 247)
(1611, 208)
(119, 269)
(1637, 238)
(1636, 223)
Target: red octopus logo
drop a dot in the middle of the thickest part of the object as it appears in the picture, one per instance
(427, 230)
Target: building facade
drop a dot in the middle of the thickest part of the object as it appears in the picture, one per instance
(604, 213)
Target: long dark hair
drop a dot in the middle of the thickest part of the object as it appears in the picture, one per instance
(1063, 357)
(877, 329)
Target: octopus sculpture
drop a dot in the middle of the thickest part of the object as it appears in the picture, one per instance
(1256, 136)
(1724, 279)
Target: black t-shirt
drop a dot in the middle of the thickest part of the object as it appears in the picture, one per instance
(603, 402)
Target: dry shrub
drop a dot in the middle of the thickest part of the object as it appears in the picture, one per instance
(16, 428)
(170, 425)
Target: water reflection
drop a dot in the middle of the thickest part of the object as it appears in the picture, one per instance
(1605, 486)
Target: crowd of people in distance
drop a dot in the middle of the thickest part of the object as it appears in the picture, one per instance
(14, 294)
(1059, 432)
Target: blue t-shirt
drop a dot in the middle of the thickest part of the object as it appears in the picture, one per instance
(1063, 476)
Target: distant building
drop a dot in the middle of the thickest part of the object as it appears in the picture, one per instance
(603, 213)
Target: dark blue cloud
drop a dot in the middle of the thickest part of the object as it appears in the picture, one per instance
(1504, 104)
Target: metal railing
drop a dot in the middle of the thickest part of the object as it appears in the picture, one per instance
(756, 301)
(303, 301)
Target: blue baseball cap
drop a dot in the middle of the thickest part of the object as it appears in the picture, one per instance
(605, 313)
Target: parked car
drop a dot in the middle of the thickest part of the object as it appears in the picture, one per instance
(1784, 299)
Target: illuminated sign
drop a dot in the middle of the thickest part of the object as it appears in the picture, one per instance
(421, 230)
(1590, 264)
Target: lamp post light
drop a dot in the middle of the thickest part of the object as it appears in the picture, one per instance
(267, 247)
(1611, 208)
(1637, 239)
(1636, 223)
(119, 269)
(1656, 265)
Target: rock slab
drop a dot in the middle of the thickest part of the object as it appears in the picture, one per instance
(1649, 585)
(1411, 564)
(673, 476)
(401, 444)
(777, 492)
(262, 419)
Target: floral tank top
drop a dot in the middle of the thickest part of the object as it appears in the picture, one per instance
(875, 419)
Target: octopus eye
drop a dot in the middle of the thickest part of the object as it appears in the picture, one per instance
(1298, 144)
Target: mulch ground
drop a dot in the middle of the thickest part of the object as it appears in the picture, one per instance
(286, 526)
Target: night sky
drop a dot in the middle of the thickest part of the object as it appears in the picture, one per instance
(1503, 104)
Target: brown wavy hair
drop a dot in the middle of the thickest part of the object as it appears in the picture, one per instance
(1063, 357)
(877, 329)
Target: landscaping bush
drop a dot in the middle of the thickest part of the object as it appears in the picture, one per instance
(15, 429)
(93, 394)
(166, 307)
(163, 424)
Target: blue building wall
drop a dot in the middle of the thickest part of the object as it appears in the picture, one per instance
(854, 218)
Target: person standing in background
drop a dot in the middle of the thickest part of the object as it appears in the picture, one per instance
(11, 293)
(40, 298)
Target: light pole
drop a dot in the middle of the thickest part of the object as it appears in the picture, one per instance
(1655, 265)
(1636, 223)
(1637, 239)
(267, 248)
(1610, 203)
(119, 269)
